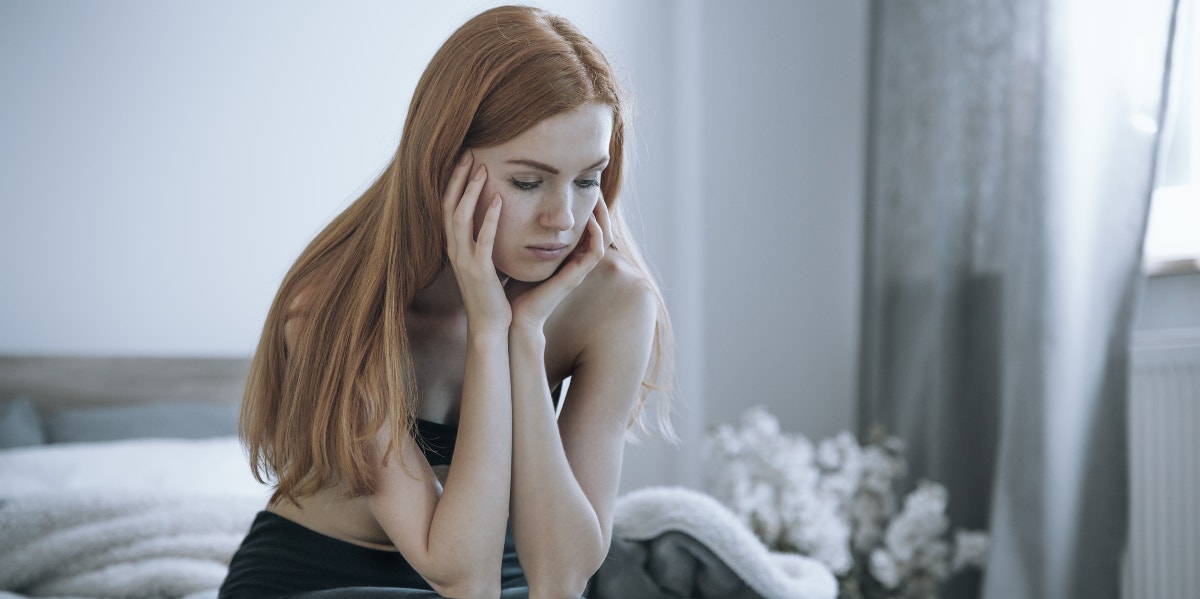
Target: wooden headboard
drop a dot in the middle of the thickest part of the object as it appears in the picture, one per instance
(55, 382)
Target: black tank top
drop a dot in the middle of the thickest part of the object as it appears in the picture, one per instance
(436, 441)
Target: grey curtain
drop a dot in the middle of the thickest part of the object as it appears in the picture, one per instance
(1011, 162)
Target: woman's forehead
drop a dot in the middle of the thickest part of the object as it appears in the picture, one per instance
(571, 140)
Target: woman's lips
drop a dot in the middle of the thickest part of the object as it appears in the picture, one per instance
(547, 251)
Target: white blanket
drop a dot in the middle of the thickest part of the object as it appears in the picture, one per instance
(139, 518)
(120, 545)
(161, 518)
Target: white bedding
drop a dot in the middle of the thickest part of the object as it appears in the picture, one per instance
(161, 518)
(196, 467)
(139, 518)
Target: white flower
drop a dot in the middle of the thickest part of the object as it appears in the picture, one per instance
(841, 462)
(834, 452)
(881, 469)
(757, 422)
(724, 442)
(970, 549)
(885, 569)
(793, 463)
(814, 528)
(836, 502)
(868, 517)
(921, 521)
(933, 558)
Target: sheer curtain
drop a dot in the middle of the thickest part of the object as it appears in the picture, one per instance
(1010, 164)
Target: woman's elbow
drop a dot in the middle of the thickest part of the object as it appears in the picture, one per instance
(557, 591)
(468, 588)
(479, 582)
(564, 585)
(566, 577)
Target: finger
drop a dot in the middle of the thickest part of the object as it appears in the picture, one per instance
(599, 240)
(487, 233)
(605, 221)
(453, 190)
(464, 213)
(590, 254)
(450, 200)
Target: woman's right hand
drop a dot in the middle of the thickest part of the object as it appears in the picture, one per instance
(482, 293)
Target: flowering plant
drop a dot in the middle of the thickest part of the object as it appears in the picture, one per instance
(835, 502)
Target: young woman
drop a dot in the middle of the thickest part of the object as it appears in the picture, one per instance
(401, 395)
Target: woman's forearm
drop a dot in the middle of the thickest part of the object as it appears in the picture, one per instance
(469, 521)
(556, 528)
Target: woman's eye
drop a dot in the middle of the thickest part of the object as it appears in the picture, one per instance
(525, 185)
(586, 183)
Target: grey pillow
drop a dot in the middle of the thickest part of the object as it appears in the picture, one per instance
(169, 421)
(20, 425)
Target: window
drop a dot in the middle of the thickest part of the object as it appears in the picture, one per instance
(1173, 230)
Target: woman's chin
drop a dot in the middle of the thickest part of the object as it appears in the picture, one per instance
(530, 280)
(528, 275)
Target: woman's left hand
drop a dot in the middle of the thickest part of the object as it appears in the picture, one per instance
(533, 307)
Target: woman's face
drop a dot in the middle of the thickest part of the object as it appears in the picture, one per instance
(548, 179)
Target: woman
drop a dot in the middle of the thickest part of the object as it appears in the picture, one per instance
(400, 397)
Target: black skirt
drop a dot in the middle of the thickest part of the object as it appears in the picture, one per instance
(280, 558)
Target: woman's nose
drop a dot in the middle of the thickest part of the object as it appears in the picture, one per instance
(556, 211)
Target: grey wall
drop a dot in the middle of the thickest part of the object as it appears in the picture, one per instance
(749, 175)
(1169, 302)
(784, 103)
(162, 164)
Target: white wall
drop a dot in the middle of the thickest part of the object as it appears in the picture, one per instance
(161, 165)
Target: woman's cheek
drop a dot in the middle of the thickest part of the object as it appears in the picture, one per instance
(583, 212)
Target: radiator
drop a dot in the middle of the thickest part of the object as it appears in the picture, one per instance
(1164, 467)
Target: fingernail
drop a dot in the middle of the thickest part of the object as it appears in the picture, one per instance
(466, 157)
(480, 172)
(496, 200)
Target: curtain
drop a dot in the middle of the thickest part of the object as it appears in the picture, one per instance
(1011, 159)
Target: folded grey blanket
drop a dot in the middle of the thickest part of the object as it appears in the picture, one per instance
(676, 543)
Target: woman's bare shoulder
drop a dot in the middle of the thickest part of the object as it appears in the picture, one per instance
(615, 297)
(617, 282)
(612, 296)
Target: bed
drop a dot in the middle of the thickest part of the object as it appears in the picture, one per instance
(123, 477)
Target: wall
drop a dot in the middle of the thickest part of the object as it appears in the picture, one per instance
(161, 165)
(784, 102)
(1169, 302)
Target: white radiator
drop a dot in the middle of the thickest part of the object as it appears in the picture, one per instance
(1164, 466)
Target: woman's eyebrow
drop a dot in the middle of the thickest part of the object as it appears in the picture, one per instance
(542, 166)
(597, 164)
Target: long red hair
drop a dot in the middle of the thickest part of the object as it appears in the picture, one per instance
(313, 406)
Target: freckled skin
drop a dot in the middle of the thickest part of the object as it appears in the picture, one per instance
(555, 208)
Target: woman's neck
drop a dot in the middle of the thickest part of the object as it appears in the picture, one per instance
(441, 297)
